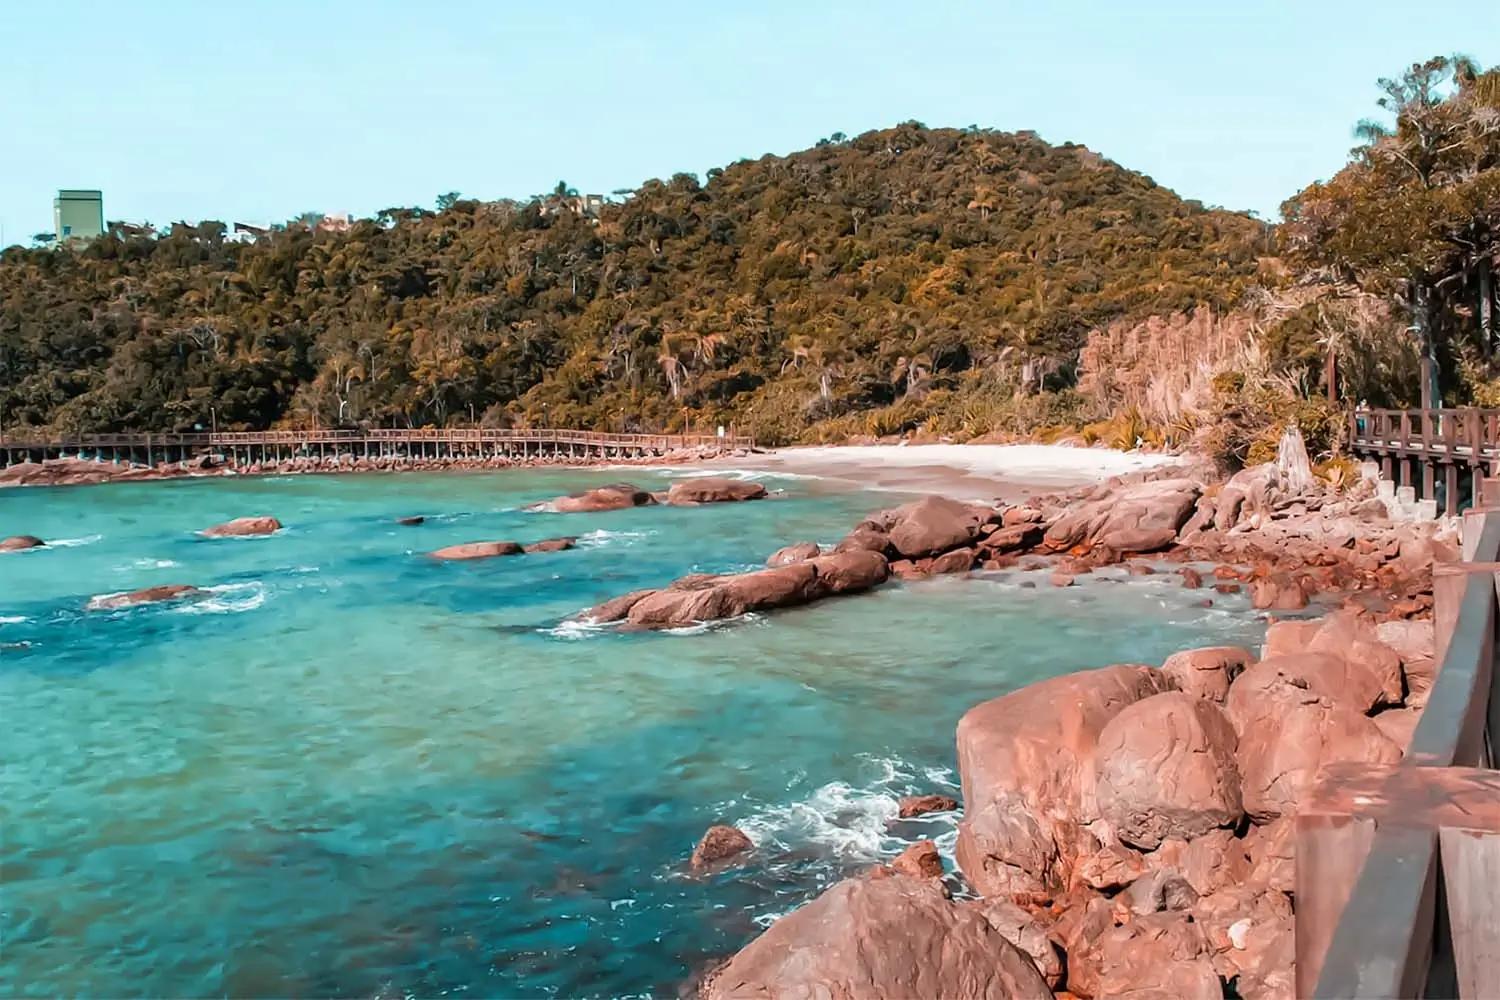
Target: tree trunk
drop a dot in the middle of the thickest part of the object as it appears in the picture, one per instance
(1486, 311)
(1427, 345)
(1331, 374)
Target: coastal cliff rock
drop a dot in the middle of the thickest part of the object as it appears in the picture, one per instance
(242, 527)
(883, 939)
(798, 552)
(1165, 767)
(20, 543)
(705, 597)
(1027, 763)
(148, 595)
(713, 489)
(477, 550)
(615, 496)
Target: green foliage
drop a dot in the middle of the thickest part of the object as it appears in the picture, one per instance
(904, 280)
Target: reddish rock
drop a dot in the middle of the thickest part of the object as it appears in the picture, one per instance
(1271, 853)
(1287, 732)
(719, 844)
(1209, 862)
(1397, 725)
(552, 544)
(1061, 579)
(243, 526)
(1165, 767)
(799, 552)
(703, 597)
(1347, 635)
(1226, 588)
(919, 860)
(1112, 866)
(615, 496)
(1191, 578)
(1278, 592)
(1288, 637)
(934, 525)
(1021, 515)
(478, 550)
(1022, 930)
(891, 937)
(1012, 538)
(865, 538)
(20, 543)
(1025, 760)
(955, 561)
(1158, 956)
(1250, 938)
(1139, 569)
(1344, 682)
(920, 805)
(713, 489)
(1159, 890)
(148, 595)
(1208, 671)
(411, 521)
(905, 569)
(1137, 518)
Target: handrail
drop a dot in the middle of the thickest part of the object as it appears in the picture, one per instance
(1433, 820)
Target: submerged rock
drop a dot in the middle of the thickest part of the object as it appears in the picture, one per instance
(713, 489)
(478, 550)
(552, 544)
(243, 526)
(920, 805)
(881, 937)
(412, 521)
(20, 543)
(615, 496)
(148, 595)
(719, 843)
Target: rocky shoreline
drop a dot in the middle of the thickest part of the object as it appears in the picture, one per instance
(86, 472)
(1126, 831)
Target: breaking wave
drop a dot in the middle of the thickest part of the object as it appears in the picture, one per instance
(68, 543)
(226, 598)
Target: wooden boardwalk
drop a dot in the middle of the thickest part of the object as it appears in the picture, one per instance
(1398, 866)
(1440, 454)
(252, 447)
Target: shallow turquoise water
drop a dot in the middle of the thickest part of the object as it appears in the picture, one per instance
(350, 770)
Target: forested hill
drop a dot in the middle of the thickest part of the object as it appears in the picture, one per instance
(780, 293)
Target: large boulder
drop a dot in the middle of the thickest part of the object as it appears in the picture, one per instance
(718, 845)
(713, 489)
(705, 597)
(1165, 767)
(1141, 517)
(615, 496)
(242, 527)
(147, 595)
(1356, 640)
(1207, 672)
(798, 552)
(936, 524)
(1021, 929)
(20, 543)
(1026, 765)
(874, 938)
(1158, 956)
(1291, 724)
(477, 550)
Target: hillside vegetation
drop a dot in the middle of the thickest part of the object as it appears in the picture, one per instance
(939, 282)
(782, 293)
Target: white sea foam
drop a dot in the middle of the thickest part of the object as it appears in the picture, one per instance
(68, 543)
(573, 629)
(227, 598)
(13, 619)
(600, 538)
(847, 822)
(147, 564)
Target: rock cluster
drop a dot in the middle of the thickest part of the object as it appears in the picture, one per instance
(489, 550)
(706, 598)
(1129, 829)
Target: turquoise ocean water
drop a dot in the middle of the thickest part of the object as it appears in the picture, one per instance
(350, 770)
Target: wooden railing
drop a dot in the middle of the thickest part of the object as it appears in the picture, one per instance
(454, 436)
(1398, 866)
(1440, 454)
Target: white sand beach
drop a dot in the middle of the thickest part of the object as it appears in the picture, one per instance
(978, 471)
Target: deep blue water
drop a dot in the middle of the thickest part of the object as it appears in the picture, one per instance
(351, 770)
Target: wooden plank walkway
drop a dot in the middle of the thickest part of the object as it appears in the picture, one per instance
(436, 443)
(1398, 866)
(1440, 454)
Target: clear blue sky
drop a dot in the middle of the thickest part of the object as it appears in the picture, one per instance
(186, 109)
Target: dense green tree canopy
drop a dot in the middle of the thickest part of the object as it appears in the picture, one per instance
(782, 292)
